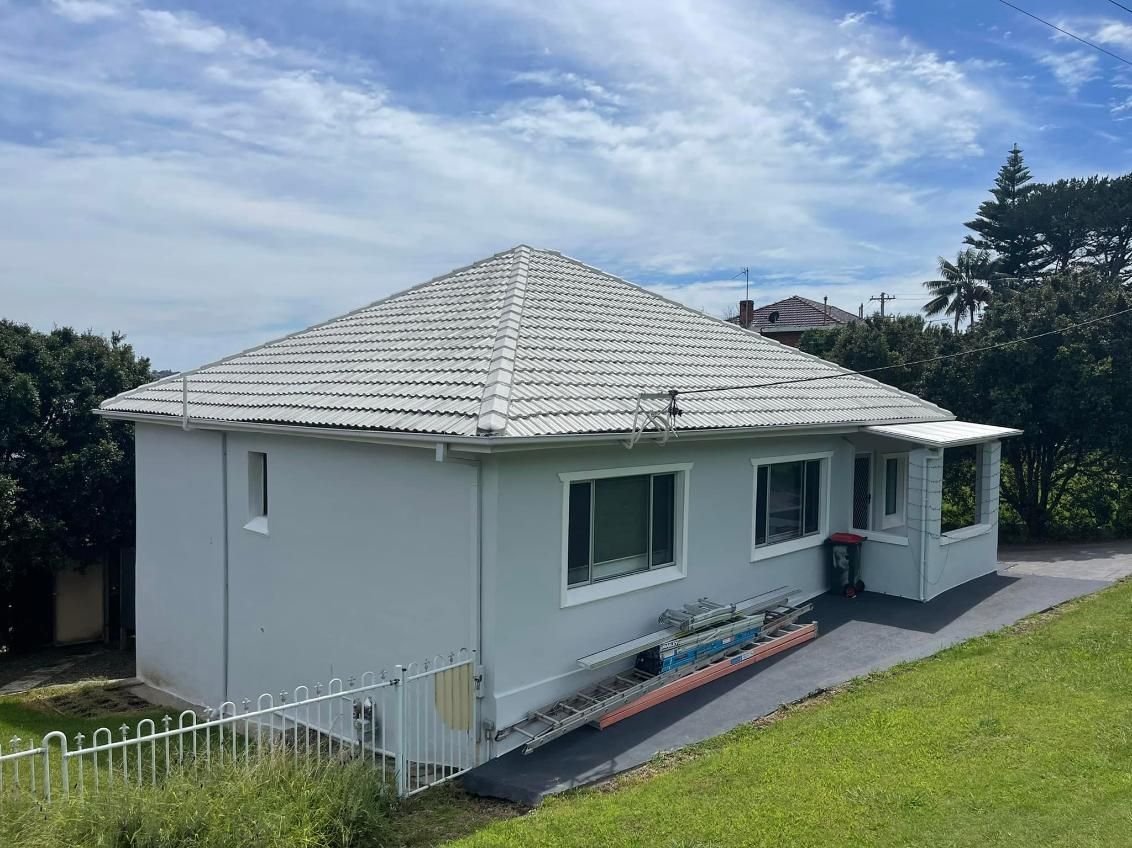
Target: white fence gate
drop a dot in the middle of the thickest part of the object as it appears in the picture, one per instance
(418, 726)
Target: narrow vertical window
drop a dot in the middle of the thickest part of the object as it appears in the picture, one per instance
(578, 545)
(760, 504)
(663, 520)
(895, 490)
(891, 485)
(257, 485)
(811, 506)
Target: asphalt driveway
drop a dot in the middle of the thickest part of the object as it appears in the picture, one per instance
(869, 633)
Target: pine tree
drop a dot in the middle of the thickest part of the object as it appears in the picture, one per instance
(999, 225)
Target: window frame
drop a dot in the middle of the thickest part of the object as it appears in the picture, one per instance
(899, 518)
(769, 550)
(655, 574)
(258, 491)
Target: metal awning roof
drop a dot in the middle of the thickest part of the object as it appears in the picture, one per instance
(943, 434)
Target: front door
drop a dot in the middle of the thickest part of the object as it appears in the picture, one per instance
(862, 490)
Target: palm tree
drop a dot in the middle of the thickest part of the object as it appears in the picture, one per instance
(964, 288)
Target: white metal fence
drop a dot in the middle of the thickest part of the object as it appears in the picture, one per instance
(417, 725)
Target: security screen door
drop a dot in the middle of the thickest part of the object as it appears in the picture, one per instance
(862, 491)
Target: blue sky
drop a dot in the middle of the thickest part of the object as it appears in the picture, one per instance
(205, 176)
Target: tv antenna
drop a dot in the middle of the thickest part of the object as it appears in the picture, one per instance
(746, 272)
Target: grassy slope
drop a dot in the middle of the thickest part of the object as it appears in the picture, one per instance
(1019, 738)
(25, 716)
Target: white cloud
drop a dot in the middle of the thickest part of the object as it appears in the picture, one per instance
(1073, 69)
(185, 30)
(1114, 33)
(853, 18)
(570, 81)
(86, 11)
(206, 197)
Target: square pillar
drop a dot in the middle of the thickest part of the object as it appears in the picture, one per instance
(925, 506)
(988, 467)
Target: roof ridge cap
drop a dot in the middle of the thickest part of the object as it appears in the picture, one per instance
(495, 403)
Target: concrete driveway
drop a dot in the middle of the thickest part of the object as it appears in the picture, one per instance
(859, 636)
(1100, 561)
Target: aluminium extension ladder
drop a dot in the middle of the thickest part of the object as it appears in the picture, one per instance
(591, 703)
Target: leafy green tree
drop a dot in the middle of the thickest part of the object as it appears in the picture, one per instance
(1070, 392)
(887, 343)
(964, 287)
(1059, 216)
(999, 226)
(1109, 247)
(66, 475)
(1081, 223)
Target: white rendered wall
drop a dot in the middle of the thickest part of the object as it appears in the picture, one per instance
(180, 561)
(532, 643)
(967, 553)
(368, 561)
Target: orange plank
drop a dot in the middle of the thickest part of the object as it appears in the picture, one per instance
(712, 672)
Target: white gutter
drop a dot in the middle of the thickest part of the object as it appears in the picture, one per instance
(495, 444)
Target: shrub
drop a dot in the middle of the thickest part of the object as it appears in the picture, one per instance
(270, 804)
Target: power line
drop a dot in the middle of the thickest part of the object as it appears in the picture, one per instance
(1121, 5)
(956, 355)
(1066, 32)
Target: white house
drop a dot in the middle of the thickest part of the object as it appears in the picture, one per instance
(451, 466)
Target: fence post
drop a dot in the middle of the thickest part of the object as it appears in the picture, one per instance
(46, 743)
(399, 757)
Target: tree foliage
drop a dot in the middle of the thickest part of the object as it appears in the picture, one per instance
(1036, 229)
(1000, 228)
(66, 475)
(964, 286)
(1071, 392)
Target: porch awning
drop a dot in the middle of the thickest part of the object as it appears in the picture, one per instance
(943, 434)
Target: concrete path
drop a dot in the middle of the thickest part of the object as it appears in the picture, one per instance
(1099, 561)
(52, 666)
(40, 675)
(858, 636)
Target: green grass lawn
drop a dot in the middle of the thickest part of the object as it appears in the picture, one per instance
(1022, 738)
(1019, 738)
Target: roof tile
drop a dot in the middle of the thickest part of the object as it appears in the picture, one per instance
(525, 343)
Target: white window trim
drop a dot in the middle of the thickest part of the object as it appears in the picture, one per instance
(258, 525)
(971, 531)
(898, 518)
(571, 597)
(872, 487)
(761, 552)
(883, 538)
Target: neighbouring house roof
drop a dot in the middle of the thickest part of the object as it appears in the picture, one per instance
(526, 343)
(944, 434)
(799, 313)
